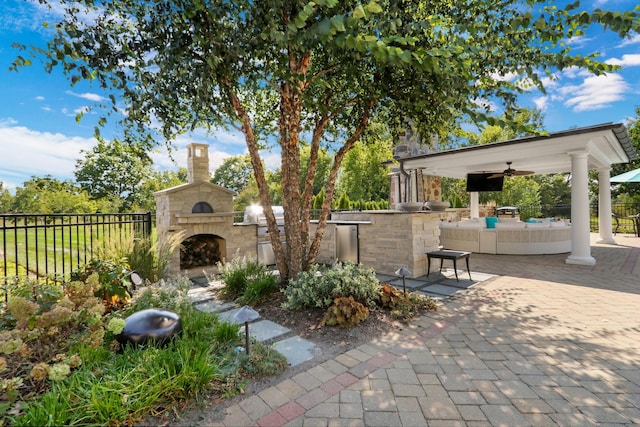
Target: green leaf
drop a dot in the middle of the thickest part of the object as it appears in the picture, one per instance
(374, 7)
(359, 12)
(300, 22)
(405, 56)
(540, 24)
(337, 22)
(324, 27)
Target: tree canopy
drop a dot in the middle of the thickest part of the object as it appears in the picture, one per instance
(114, 171)
(277, 69)
(363, 175)
(630, 192)
(234, 173)
(50, 195)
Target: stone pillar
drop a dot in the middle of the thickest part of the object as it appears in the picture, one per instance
(580, 223)
(604, 206)
(395, 193)
(198, 163)
(432, 188)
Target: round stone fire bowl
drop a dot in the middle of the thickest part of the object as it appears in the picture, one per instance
(411, 206)
(437, 206)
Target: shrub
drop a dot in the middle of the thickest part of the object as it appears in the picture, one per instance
(113, 280)
(65, 375)
(227, 333)
(150, 259)
(262, 361)
(242, 273)
(40, 348)
(170, 295)
(345, 312)
(320, 286)
(404, 306)
(258, 288)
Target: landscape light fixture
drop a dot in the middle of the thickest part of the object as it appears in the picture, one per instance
(403, 271)
(245, 315)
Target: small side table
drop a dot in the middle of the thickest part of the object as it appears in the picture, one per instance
(452, 255)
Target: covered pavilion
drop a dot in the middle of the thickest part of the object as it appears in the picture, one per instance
(576, 151)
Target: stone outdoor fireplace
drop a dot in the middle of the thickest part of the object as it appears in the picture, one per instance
(199, 214)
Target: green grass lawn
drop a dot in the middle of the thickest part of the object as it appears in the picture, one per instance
(59, 250)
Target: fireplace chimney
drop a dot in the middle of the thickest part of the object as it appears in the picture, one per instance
(198, 163)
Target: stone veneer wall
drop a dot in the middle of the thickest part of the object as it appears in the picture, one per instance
(389, 239)
(173, 215)
(431, 187)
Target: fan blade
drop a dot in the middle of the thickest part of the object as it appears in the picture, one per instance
(495, 175)
(521, 173)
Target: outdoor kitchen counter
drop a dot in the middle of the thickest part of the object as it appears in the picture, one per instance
(388, 239)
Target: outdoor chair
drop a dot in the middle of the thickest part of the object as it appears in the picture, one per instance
(630, 222)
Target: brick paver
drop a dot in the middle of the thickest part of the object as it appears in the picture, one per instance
(542, 343)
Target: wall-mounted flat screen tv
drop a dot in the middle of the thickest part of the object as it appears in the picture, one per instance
(482, 182)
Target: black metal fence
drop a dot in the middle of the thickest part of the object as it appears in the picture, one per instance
(53, 245)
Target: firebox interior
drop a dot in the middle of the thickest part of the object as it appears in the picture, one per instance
(201, 250)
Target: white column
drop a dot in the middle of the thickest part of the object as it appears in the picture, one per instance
(580, 227)
(604, 206)
(475, 204)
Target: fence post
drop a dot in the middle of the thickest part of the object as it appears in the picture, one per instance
(147, 228)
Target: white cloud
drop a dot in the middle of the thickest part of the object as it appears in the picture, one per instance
(579, 41)
(596, 92)
(508, 77)
(550, 82)
(26, 152)
(88, 96)
(271, 160)
(628, 60)
(541, 103)
(632, 39)
(81, 110)
(39, 98)
(575, 72)
(6, 122)
(485, 104)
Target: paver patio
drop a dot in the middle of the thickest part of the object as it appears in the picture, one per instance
(541, 343)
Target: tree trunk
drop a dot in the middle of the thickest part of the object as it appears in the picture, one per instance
(258, 173)
(331, 182)
(289, 127)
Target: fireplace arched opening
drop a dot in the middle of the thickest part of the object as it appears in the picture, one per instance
(201, 250)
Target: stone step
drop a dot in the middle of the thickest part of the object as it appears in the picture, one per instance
(294, 348)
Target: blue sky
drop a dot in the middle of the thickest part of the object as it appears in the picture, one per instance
(39, 134)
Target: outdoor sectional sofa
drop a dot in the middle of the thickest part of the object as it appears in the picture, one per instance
(507, 236)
